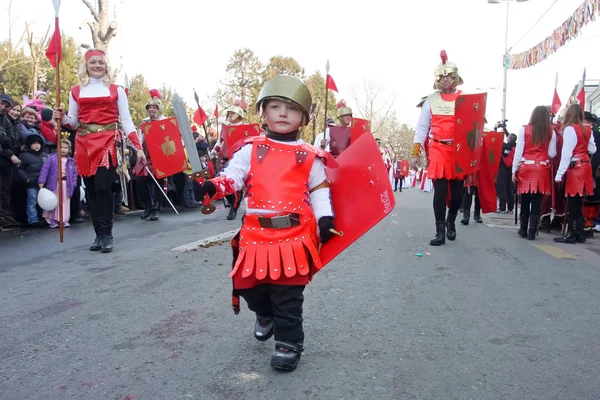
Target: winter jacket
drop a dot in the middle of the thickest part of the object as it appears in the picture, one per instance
(24, 130)
(31, 166)
(8, 141)
(49, 174)
(48, 132)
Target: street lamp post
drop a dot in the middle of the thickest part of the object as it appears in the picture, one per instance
(506, 58)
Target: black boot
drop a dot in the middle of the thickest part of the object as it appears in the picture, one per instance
(286, 356)
(477, 217)
(154, 215)
(440, 234)
(93, 209)
(232, 213)
(146, 213)
(545, 224)
(106, 210)
(450, 226)
(534, 221)
(580, 230)
(263, 328)
(466, 217)
(571, 236)
(524, 219)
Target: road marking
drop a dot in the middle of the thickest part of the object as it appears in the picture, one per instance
(205, 241)
(555, 252)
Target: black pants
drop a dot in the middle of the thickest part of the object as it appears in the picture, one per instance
(6, 174)
(440, 193)
(574, 207)
(396, 181)
(76, 200)
(531, 204)
(149, 193)
(468, 200)
(504, 187)
(282, 303)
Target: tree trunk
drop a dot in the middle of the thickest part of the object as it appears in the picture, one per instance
(102, 30)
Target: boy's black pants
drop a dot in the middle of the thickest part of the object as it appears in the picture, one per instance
(283, 303)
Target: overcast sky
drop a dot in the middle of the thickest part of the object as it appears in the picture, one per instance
(186, 44)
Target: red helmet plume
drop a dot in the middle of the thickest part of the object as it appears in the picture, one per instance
(341, 103)
(444, 56)
(155, 93)
(240, 103)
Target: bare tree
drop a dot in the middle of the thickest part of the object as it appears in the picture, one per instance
(102, 30)
(8, 52)
(36, 50)
(371, 107)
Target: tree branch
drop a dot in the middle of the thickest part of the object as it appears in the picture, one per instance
(92, 10)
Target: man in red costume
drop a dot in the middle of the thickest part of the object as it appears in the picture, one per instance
(99, 110)
(436, 127)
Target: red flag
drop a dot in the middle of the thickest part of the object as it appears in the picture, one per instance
(330, 84)
(581, 97)
(556, 103)
(55, 46)
(200, 116)
(216, 113)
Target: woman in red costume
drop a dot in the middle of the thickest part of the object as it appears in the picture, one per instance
(578, 144)
(536, 145)
(96, 109)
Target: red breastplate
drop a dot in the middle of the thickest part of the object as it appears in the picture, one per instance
(583, 139)
(533, 152)
(442, 126)
(97, 110)
(278, 177)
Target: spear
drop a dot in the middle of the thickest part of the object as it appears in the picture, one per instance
(326, 98)
(204, 123)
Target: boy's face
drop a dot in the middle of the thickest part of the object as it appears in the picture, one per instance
(346, 120)
(35, 146)
(203, 159)
(232, 117)
(283, 117)
(29, 118)
(153, 111)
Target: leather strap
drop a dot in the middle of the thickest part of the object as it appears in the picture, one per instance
(279, 222)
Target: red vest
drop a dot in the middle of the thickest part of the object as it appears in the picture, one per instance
(583, 139)
(508, 160)
(97, 110)
(533, 152)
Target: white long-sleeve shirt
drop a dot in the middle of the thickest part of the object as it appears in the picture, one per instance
(320, 137)
(424, 124)
(320, 200)
(97, 88)
(521, 146)
(569, 143)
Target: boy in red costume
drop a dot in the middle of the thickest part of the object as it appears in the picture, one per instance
(287, 198)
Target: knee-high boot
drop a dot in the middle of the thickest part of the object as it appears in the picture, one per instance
(93, 209)
(106, 213)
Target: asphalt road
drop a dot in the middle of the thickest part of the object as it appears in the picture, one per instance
(489, 316)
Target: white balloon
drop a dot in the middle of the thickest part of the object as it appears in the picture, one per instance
(47, 200)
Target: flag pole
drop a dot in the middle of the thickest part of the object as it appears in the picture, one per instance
(326, 98)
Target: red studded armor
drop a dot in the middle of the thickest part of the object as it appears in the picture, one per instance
(579, 179)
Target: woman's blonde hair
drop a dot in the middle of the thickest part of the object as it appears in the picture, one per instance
(84, 77)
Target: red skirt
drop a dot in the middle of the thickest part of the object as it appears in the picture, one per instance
(94, 150)
(534, 178)
(441, 157)
(579, 180)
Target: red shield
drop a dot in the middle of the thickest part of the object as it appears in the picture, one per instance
(165, 147)
(404, 168)
(486, 176)
(359, 169)
(359, 126)
(236, 133)
(469, 113)
(339, 139)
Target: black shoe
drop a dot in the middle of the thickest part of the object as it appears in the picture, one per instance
(4, 223)
(286, 356)
(571, 236)
(12, 221)
(154, 215)
(146, 213)
(465, 219)
(440, 234)
(107, 243)
(477, 218)
(451, 227)
(78, 220)
(263, 329)
(232, 214)
(97, 245)
(534, 221)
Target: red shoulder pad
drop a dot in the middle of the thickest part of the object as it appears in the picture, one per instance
(246, 141)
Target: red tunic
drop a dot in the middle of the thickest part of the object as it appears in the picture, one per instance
(579, 179)
(534, 172)
(441, 154)
(278, 180)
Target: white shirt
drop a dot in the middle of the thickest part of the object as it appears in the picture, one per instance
(569, 143)
(320, 137)
(521, 145)
(424, 124)
(97, 88)
(320, 200)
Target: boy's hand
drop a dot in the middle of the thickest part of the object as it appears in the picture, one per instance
(325, 227)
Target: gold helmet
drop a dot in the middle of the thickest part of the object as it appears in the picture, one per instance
(238, 107)
(446, 68)
(288, 88)
(154, 100)
(343, 109)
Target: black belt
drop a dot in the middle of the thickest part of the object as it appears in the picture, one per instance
(446, 143)
(280, 222)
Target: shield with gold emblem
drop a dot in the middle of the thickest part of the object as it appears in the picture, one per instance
(165, 147)
(404, 168)
(469, 113)
(358, 127)
(236, 133)
(486, 176)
